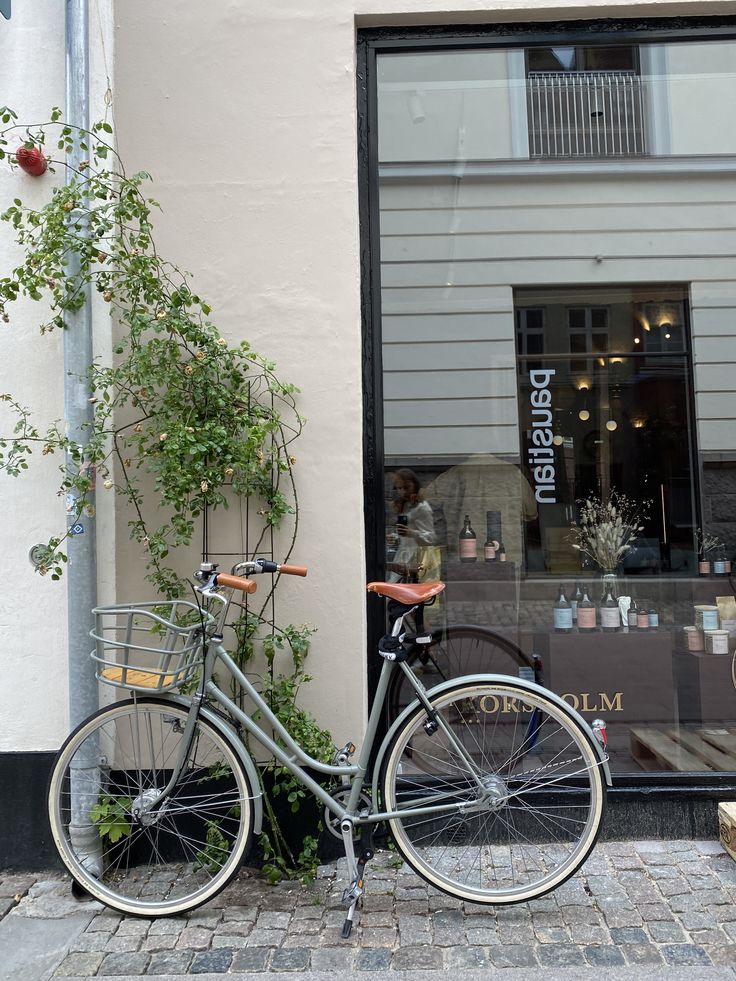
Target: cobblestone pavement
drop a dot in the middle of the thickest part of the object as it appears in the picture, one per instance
(633, 905)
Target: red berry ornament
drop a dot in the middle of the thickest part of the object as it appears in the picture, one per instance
(31, 160)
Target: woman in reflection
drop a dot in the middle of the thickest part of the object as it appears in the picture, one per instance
(413, 531)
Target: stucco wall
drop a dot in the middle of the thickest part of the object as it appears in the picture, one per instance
(33, 696)
(245, 113)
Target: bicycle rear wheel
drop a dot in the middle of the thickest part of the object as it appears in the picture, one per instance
(506, 793)
(149, 862)
(454, 652)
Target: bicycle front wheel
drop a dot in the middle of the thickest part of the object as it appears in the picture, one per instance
(137, 858)
(455, 651)
(502, 790)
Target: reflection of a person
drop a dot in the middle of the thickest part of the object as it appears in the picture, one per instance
(414, 525)
(481, 483)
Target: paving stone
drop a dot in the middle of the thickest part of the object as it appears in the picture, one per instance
(622, 918)
(247, 914)
(684, 954)
(89, 942)
(416, 959)
(290, 959)
(514, 933)
(212, 961)
(194, 938)
(453, 919)
(512, 955)
(580, 915)
(414, 931)
(641, 953)
(311, 940)
(270, 920)
(628, 935)
(559, 955)
(722, 955)
(379, 937)
(333, 959)
(548, 918)
(231, 940)
(584, 933)
(270, 938)
(166, 925)
(133, 928)
(250, 959)
(673, 887)
(170, 962)
(667, 932)
(552, 935)
(708, 938)
(373, 960)
(123, 943)
(603, 956)
(127, 963)
(654, 911)
(464, 958)
(694, 920)
(488, 936)
(79, 964)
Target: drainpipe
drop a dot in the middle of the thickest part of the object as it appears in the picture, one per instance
(81, 573)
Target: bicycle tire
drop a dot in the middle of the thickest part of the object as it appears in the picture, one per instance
(538, 815)
(165, 863)
(455, 651)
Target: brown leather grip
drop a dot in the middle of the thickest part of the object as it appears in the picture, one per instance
(236, 582)
(293, 570)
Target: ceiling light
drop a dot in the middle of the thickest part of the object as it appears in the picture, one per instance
(611, 425)
(584, 415)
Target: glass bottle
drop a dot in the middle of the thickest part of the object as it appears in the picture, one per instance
(501, 553)
(610, 613)
(574, 602)
(642, 617)
(562, 613)
(719, 561)
(468, 542)
(586, 614)
(653, 618)
(632, 614)
(489, 549)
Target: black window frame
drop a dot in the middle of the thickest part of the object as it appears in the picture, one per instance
(688, 798)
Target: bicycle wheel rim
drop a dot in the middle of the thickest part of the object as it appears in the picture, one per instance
(455, 652)
(156, 865)
(517, 822)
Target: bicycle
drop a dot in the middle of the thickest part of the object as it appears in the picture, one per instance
(492, 787)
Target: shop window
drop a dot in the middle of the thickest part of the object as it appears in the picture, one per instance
(464, 220)
(615, 422)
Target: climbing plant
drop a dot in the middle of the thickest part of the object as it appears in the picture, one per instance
(182, 420)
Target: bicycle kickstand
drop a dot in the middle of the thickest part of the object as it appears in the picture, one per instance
(356, 870)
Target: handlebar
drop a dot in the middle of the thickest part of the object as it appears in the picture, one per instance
(239, 577)
(236, 582)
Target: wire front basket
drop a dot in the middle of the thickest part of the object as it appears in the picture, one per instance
(149, 646)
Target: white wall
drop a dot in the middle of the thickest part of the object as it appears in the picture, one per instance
(33, 696)
(246, 115)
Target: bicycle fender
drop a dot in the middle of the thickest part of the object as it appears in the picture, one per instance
(246, 759)
(496, 679)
